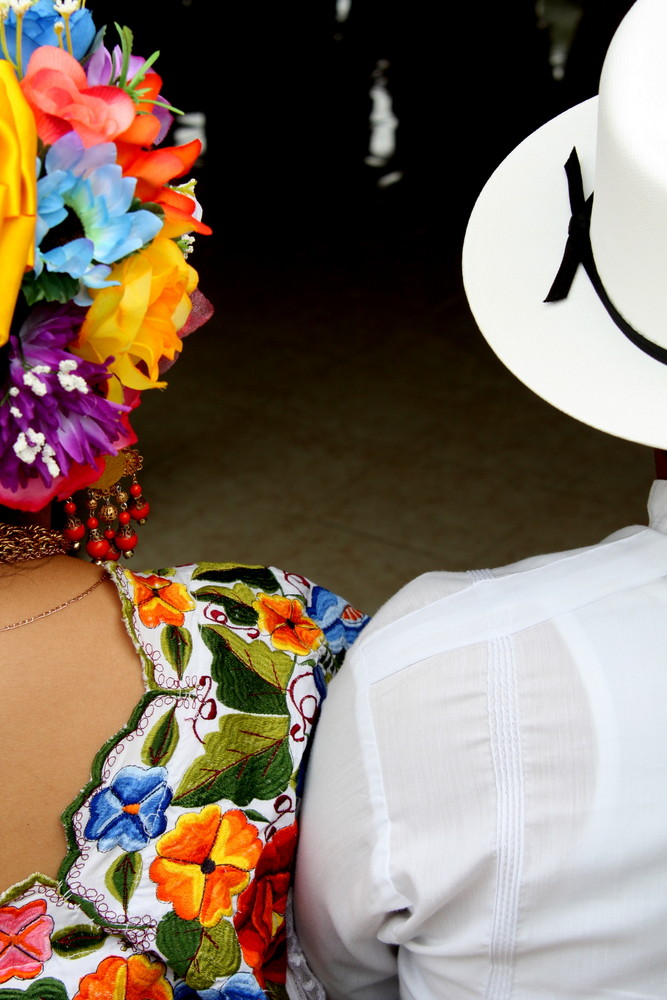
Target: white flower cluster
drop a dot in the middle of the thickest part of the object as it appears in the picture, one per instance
(66, 7)
(21, 6)
(68, 381)
(71, 382)
(32, 443)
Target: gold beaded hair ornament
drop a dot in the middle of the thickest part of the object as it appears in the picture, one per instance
(96, 293)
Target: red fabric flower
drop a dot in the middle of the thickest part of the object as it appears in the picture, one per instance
(260, 916)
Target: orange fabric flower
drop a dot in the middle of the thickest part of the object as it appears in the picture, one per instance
(204, 861)
(18, 192)
(134, 978)
(137, 321)
(56, 89)
(284, 620)
(160, 601)
(154, 170)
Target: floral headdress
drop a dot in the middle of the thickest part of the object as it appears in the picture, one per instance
(96, 291)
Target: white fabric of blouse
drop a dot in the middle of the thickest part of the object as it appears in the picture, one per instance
(486, 807)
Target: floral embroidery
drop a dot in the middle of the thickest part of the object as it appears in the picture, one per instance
(284, 619)
(260, 916)
(242, 986)
(24, 940)
(160, 601)
(134, 978)
(340, 622)
(204, 861)
(192, 804)
(131, 810)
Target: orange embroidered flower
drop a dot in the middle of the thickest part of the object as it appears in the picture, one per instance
(56, 88)
(159, 600)
(134, 978)
(204, 861)
(287, 624)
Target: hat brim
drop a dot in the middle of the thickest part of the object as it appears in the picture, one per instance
(570, 352)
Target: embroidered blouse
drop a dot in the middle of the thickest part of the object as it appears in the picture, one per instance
(180, 848)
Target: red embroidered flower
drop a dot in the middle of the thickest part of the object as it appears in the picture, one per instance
(135, 978)
(24, 940)
(260, 916)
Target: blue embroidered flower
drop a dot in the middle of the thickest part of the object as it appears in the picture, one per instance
(340, 622)
(38, 24)
(242, 986)
(90, 184)
(131, 810)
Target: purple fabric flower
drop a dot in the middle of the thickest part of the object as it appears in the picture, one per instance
(131, 810)
(104, 68)
(51, 415)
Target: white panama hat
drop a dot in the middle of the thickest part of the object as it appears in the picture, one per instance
(571, 352)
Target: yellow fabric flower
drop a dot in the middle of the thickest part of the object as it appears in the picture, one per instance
(18, 192)
(138, 320)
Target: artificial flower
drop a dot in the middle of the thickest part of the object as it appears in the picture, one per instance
(152, 121)
(56, 88)
(286, 622)
(137, 320)
(340, 622)
(56, 422)
(240, 986)
(138, 977)
(89, 184)
(38, 23)
(154, 170)
(18, 192)
(131, 811)
(260, 916)
(25, 943)
(205, 861)
(159, 601)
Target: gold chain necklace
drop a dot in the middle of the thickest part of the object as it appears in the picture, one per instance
(59, 607)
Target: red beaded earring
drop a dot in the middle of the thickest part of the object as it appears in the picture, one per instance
(107, 502)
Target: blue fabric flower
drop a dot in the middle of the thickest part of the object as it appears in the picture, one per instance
(340, 622)
(37, 30)
(242, 986)
(131, 810)
(89, 183)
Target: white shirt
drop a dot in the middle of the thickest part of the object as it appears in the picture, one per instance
(486, 808)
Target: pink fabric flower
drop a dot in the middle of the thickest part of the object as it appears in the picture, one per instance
(25, 944)
(56, 88)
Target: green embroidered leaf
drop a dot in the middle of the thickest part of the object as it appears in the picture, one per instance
(44, 989)
(123, 877)
(218, 954)
(250, 675)
(176, 643)
(161, 741)
(247, 758)
(276, 991)
(198, 954)
(178, 940)
(255, 816)
(77, 940)
(239, 612)
(257, 577)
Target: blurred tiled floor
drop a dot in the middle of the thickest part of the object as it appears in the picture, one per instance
(345, 419)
